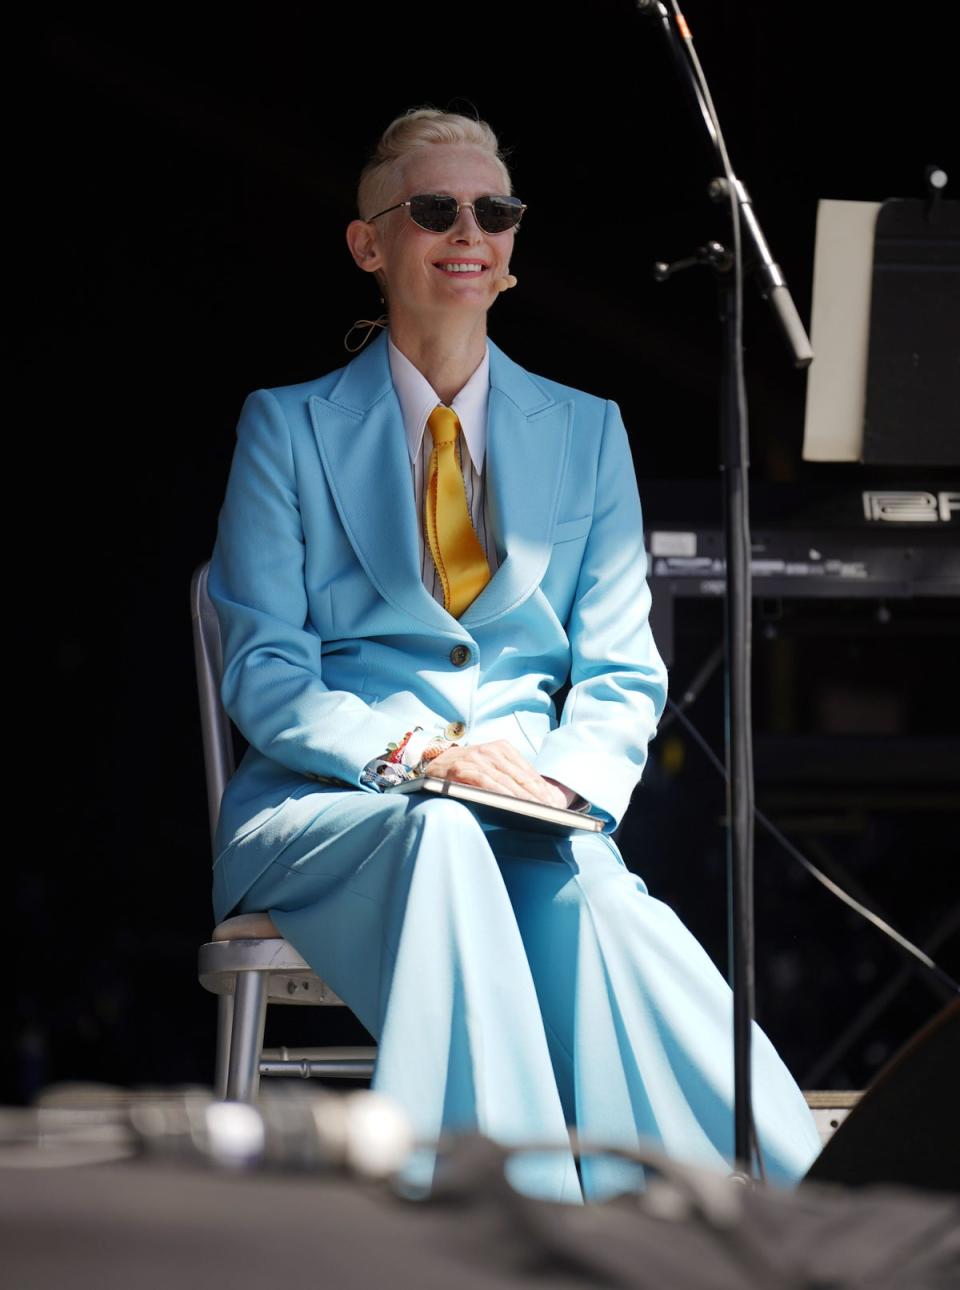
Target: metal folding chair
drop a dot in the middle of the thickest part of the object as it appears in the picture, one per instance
(247, 963)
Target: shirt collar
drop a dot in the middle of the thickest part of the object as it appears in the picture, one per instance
(418, 399)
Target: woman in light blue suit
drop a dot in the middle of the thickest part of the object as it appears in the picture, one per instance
(516, 984)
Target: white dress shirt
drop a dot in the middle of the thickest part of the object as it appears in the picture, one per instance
(418, 399)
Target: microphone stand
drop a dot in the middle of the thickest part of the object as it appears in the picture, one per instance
(734, 464)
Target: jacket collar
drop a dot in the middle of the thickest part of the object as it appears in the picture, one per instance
(359, 433)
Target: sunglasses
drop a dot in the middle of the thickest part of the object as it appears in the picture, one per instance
(438, 212)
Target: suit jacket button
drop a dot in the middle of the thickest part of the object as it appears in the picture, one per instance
(455, 730)
(459, 655)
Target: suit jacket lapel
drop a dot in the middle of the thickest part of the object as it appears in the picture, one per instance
(528, 437)
(359, 432)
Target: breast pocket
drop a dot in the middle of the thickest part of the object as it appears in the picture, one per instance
(570, 530)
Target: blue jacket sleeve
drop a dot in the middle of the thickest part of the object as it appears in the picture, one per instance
(618, 680)
(273, 687)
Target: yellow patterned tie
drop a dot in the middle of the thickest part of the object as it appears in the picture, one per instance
(454, 544)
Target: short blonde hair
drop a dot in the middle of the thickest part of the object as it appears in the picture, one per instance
(419, 128)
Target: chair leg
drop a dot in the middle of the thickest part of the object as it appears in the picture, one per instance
(249, 1014)
(224, 1032)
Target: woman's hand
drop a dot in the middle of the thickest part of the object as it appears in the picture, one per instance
(497, 766)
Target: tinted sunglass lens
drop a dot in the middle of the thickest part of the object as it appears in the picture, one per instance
(434, 212)
(497, 214)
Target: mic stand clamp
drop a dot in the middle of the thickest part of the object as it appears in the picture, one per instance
(713, 254)
(768, 274)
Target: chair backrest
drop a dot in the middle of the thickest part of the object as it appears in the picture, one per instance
(218, 758)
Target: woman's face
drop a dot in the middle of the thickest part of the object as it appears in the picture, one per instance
(418, 265)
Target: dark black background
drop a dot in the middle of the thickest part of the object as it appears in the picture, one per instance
(181, 179)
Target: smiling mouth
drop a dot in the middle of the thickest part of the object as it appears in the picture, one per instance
(469, 268)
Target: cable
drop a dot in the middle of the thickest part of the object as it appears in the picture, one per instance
(694, 689)
(941, 976)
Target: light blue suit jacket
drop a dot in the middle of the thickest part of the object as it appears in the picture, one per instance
(333, 647)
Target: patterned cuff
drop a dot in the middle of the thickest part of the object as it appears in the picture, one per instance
(406, 759)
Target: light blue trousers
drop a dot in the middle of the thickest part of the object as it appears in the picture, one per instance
(518, 983)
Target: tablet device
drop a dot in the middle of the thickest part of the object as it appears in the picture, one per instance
(503, 810)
